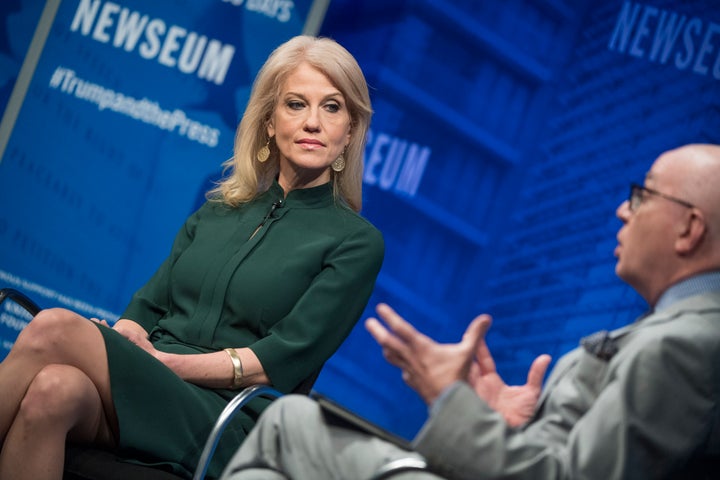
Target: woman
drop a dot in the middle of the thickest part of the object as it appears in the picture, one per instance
(262, 285)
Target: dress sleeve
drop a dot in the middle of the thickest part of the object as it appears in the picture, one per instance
(152, 301)
(653, 414)
(300, 343)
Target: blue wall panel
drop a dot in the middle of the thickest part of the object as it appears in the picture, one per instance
(131, 108)
(504, 136)
(537, 121)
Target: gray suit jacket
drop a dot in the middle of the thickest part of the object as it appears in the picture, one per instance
(651, 411)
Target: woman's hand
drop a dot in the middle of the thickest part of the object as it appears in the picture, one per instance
(137, 335)
(100, 321)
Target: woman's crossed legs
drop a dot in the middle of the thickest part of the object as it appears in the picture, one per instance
(55, 386)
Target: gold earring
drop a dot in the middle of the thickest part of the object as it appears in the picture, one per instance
(338, 165)
(264, 153)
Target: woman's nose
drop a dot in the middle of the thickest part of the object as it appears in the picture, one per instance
(312, 121)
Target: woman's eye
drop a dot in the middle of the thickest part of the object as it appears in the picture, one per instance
(295, 104)
(332, 107)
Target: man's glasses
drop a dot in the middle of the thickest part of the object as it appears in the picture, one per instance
(637, 193)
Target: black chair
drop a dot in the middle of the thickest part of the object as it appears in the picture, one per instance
(83, 462)
(234, 406)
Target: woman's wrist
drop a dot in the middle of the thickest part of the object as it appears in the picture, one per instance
(237, 371)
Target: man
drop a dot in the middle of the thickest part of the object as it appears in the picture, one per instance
(637, 402)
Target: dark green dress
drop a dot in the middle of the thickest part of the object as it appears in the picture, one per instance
(292, 293)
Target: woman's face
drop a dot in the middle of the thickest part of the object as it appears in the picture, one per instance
(311, 126)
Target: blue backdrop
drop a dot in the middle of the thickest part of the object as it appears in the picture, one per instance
(129, 113)
(505, 135)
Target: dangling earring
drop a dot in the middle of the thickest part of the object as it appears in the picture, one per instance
(338, 165)
(264, 153)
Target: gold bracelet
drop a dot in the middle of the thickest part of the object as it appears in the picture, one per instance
(237, 368)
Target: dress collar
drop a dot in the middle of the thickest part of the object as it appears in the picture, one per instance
(313, 197)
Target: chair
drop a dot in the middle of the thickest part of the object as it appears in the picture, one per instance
(94, 463)
(19, 298)
(234, 406)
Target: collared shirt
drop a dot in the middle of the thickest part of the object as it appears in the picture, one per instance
(695, 285)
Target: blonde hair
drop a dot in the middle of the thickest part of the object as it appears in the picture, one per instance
(247, 176)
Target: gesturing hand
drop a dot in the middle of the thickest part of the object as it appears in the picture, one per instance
(515, 403)
(427, 366)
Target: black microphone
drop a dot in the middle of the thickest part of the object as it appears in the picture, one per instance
(276, 204)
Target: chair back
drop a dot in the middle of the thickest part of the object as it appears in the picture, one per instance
(19, 298)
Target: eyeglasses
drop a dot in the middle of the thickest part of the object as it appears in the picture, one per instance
(637, 192)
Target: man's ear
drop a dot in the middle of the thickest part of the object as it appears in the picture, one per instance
(691, 232)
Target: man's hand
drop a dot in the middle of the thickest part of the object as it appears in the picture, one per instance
(427, 366)
(515, 403)
(430, 367)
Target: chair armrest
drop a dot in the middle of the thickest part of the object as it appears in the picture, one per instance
(19, 298)
(234, 406)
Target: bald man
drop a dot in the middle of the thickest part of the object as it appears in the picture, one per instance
(640, 402)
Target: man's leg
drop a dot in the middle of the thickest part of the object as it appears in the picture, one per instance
(293, 440)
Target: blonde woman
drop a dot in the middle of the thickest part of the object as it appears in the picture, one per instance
(262, 285)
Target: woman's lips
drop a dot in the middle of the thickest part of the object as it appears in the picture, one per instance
(310, 144)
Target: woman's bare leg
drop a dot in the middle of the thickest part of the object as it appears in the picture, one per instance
(60, 403)
(53, 337)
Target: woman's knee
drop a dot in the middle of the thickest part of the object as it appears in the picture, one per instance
(58, 394)
(53, 326)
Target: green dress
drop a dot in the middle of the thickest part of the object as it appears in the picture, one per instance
(291, 292)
